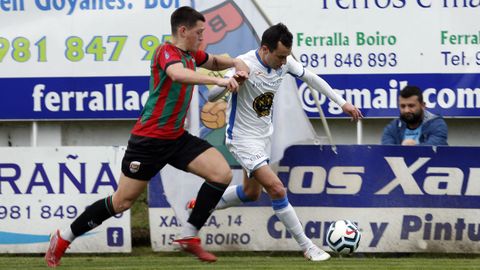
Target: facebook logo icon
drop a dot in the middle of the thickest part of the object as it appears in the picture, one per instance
(115, 236)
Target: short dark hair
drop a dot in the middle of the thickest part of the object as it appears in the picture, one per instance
(185, 16)
(411, 90)
(276, 33)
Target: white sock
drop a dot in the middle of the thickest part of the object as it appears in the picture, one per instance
(289, 218)
(188, 230)
(230, 198)
(67, 234)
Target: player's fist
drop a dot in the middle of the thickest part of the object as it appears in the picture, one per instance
(240, 77)
(229, 83)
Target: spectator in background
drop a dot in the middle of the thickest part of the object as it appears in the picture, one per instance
(416, 125)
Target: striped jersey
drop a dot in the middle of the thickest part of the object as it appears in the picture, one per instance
(163, 116)
(250, 108)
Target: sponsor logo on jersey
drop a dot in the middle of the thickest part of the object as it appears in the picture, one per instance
(260, 74)
(134, 166)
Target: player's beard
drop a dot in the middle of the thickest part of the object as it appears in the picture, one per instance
(412, 118)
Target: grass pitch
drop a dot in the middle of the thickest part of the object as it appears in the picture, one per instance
(144, 258)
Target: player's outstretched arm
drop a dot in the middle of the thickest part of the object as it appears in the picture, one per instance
(318, 84)
(220, 62)
(180, 74)
(321, 86)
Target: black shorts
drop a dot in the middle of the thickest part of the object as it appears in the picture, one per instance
(146, 156)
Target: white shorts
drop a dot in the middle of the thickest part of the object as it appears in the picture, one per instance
(250, 153)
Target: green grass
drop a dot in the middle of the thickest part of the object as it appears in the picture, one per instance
(144, 258)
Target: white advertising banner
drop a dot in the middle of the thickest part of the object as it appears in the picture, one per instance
(369, 50)
(43, 189)
(90, 59)
(394, 36)
(383, 229)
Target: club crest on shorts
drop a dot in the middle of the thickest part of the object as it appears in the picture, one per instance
(134, 166)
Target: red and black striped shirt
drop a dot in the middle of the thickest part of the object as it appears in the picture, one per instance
(163, 116)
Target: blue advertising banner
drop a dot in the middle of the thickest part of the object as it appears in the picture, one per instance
(73, 98)
(449, 95)
(373, 176)
(404, 199)
(382, 176)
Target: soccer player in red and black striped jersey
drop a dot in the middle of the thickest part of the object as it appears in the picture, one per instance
(159, 138)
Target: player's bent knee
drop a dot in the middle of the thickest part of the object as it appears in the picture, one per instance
(277, 192)
(222, 176)
(123, 205)
(229, 176)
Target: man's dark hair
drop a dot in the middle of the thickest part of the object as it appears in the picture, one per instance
(185, 16)
(276, 33)
(411, 90)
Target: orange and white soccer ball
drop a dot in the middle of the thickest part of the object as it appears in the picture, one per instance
(213, 114)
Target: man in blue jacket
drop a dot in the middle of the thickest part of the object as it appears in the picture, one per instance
(416, 125)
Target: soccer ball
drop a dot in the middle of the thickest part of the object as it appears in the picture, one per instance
(343, 236)
(213, 114)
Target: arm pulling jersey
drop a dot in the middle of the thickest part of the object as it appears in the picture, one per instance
(250, 109)
(163, 116)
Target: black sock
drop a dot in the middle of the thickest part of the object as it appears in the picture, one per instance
(93, 216)
(208, 197)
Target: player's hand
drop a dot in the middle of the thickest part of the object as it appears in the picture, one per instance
(353, 111)
(240, 77)
(230, 83)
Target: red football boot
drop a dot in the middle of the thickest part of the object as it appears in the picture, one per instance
(56, 249)
(192, 246)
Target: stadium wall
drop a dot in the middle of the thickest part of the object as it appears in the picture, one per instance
(462, 132)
